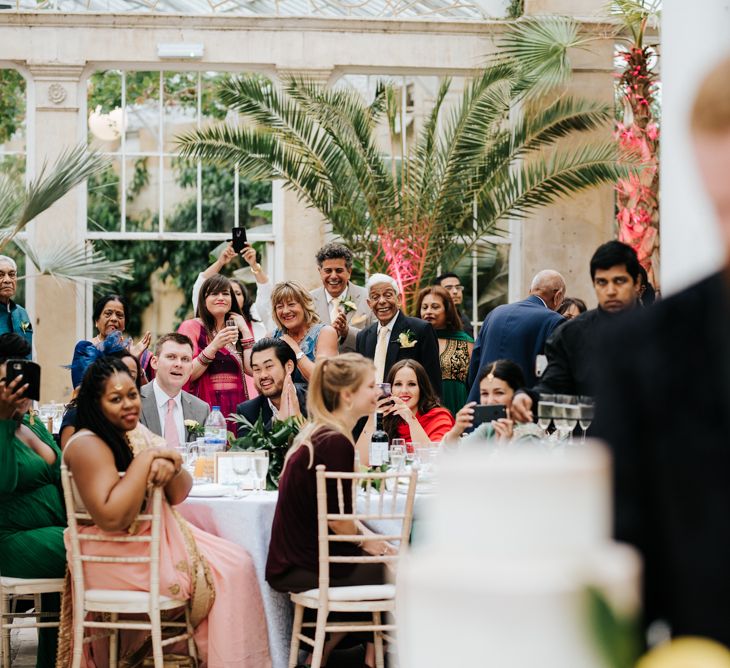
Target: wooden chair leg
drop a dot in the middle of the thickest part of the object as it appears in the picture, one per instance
(319, 637)
(5, 630)
(295, 631)
(378, 637)
(156, 634)
(114, 643)
(78, 651)
(192, 649)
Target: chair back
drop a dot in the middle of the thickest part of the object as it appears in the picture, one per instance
(385, 497)
(78, 559)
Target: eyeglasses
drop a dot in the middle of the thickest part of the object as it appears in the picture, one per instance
(457, 288)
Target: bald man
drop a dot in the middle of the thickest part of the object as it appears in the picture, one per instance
(518, 331)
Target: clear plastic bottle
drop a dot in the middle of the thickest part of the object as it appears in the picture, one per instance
(216, 435)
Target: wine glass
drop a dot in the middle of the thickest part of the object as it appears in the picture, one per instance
(397, 454)
(261, 468)
(587, 407)
(241, 466)
(545, 411)
(572, 413)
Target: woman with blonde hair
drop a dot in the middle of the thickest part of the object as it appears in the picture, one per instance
(341, 391)
(298, 325)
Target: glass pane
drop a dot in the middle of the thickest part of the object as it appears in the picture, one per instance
(211, 107)
(104, 100)
(104, 211)
(142, 192)
(255, 208)
(12, 111)
(143, 112)
(181, 201)
(218, 199)
(12, 165)
(180, 111)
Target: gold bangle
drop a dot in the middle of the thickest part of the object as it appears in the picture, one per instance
(257, 269)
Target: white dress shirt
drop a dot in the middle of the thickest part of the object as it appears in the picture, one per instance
(161, 399)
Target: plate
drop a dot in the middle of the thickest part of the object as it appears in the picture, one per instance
(209, 490)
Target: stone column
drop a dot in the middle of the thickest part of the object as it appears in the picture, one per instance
(57, 307)
(300, 229)
(694, 37)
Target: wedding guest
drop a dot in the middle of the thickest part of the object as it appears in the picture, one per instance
(226, 603)
(165, 405)
(220, 351)
(339, 302)
(452, 284)
(32, 517)
(298, 325)
(14, 318)
(436, 307)
(663, 388)
(272, 363)
(341, 390)
(111, 314)
(498, 382)
(257, 314)
(571, 308)
(519, 331)
(395, 336)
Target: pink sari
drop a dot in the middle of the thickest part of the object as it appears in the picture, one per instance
(224, 383)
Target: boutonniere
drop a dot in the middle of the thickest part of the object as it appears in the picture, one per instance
(26, 327)
(406, 339)
(194, 427)
(348, 306)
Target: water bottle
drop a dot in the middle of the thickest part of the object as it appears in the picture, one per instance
(216, 433)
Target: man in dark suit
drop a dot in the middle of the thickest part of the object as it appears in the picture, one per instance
(272, 364)
(395, 336)
(452, 284)
(663, 405)
(518, 331)
(165, 405)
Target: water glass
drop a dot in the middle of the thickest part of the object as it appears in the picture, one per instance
(587, 408)
(241, 466)
(545, 411)
(261, 468)
(397, 455)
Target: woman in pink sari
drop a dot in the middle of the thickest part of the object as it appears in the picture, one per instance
(220, 351)
(216, 576)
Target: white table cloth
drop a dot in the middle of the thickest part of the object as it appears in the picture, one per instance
(247, 522)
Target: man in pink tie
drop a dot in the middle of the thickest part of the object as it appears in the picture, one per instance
(165, 405)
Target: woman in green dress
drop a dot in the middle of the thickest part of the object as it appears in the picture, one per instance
(436, 306)
(32, 517)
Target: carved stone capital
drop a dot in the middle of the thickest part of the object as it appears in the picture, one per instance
(57, 85)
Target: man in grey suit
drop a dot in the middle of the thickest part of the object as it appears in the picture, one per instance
(339, 302)
(165, 406)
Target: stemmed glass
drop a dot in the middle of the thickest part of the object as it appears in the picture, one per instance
(586, 408)
(545, 411)
(564, 418)
(397, 455)
(241, 466)
(261, 468)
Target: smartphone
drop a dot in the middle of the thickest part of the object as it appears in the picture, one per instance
(31, 373)
(238, 236)
(489, 413)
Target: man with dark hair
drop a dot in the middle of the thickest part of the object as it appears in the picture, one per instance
(452, 284)
(662, 406)
(518, 331)
(272, 364)
(573, 350)
(339, 302)
(165, 405)
(13, 317)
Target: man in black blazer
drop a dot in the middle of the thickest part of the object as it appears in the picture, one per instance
(663, 405)
(395, 336)
(272, 363)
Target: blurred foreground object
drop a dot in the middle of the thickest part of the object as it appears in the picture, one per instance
(516, 542)
(687, 652)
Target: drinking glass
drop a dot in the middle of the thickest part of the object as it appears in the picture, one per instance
(545, 411)
(261, 468)
(397, 454)
(241, 466)
(230, 322)
(587, 407)
(572, 413)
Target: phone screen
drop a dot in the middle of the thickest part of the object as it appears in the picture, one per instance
(238, 235)
(489, 413)
(31, 373)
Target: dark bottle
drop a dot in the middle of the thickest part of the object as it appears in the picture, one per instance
(378, 452)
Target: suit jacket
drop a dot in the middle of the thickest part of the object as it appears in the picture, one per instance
(663, 405)
(193, 409)
(426, 350)
(516, 332)
(252, 408)
(357, 320)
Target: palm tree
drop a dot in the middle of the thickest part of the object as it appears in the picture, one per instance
(471, 169)
(541, 45)
(19, 205)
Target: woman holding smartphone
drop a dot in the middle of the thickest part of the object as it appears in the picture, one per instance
(222, 345)
(498, 383)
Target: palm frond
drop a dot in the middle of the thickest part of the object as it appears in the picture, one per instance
(539, 48)
(635, 15)
(80, 265)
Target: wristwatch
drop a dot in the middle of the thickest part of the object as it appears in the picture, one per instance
(299, 356)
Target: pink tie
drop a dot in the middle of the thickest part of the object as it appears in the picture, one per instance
(171, 435)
